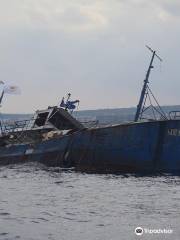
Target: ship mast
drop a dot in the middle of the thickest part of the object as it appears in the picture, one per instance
(146, 81)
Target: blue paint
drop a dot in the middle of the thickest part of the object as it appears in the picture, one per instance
(143, 146)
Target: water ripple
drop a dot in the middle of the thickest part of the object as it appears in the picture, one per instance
(38, 203)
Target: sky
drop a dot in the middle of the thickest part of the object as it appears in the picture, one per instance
(94, 49)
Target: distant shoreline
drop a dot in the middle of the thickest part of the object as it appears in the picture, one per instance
(105, 116)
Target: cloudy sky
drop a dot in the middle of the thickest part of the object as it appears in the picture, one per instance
(94, 49)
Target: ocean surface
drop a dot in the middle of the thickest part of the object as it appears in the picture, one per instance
(39, 203)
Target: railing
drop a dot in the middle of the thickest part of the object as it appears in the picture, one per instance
(93, 123)
(15, 126)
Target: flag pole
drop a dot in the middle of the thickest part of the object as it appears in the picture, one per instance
(68, 97)
(1, 98)
(2, 95)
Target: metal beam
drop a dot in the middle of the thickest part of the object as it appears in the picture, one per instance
(146, 81)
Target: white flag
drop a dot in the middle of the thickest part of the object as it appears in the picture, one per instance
(11, 89)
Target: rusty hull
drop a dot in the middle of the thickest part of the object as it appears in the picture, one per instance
(133, 147)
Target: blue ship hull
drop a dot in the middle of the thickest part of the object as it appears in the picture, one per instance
(132, 147)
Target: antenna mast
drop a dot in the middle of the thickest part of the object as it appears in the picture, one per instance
(146, 81)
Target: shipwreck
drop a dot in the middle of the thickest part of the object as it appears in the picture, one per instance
(55, 138)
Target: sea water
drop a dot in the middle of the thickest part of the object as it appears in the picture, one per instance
(39, 203)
